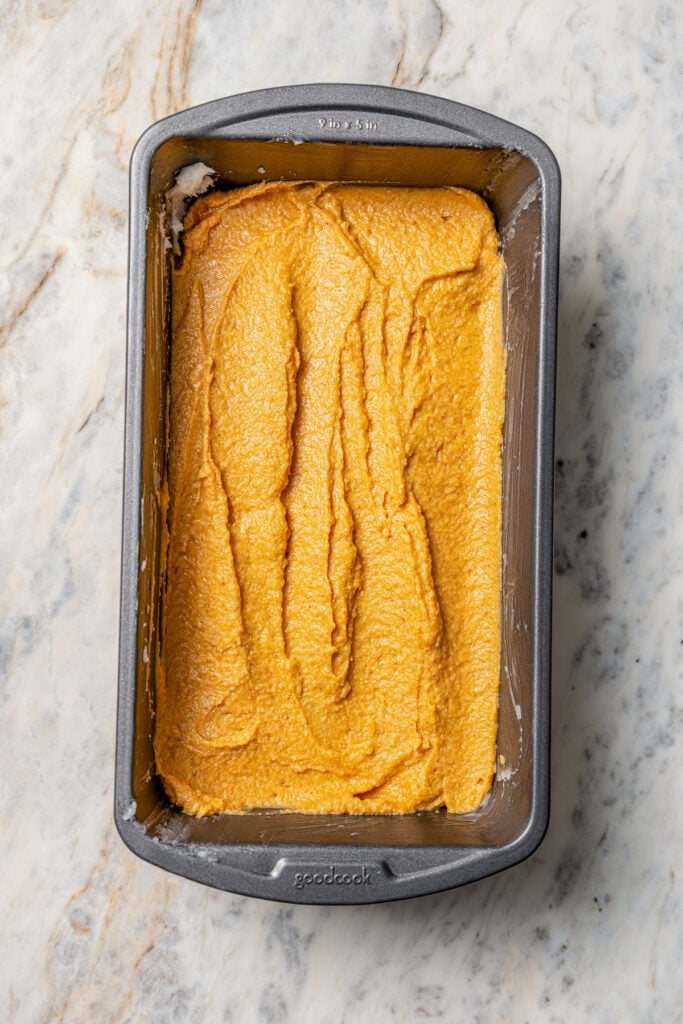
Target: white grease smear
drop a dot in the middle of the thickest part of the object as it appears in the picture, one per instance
(129, 813)
(191, 181)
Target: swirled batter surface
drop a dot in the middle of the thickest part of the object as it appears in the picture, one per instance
(331, 618)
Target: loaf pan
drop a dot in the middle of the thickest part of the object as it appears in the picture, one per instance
(374, 135)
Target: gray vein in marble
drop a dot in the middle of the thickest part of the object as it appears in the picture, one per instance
(432, 24)
(7, 327)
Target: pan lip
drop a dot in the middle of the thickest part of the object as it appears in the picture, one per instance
(405, 878)
(482, 129)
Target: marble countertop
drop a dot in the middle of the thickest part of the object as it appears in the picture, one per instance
(589, 929)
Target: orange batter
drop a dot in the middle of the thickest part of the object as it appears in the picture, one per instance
(331, 619)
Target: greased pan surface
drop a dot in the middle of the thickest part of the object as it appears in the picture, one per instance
(375, 135)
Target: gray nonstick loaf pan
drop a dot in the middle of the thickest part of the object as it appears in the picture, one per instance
(374, 135)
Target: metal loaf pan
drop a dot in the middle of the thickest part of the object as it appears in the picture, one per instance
(367, 134)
